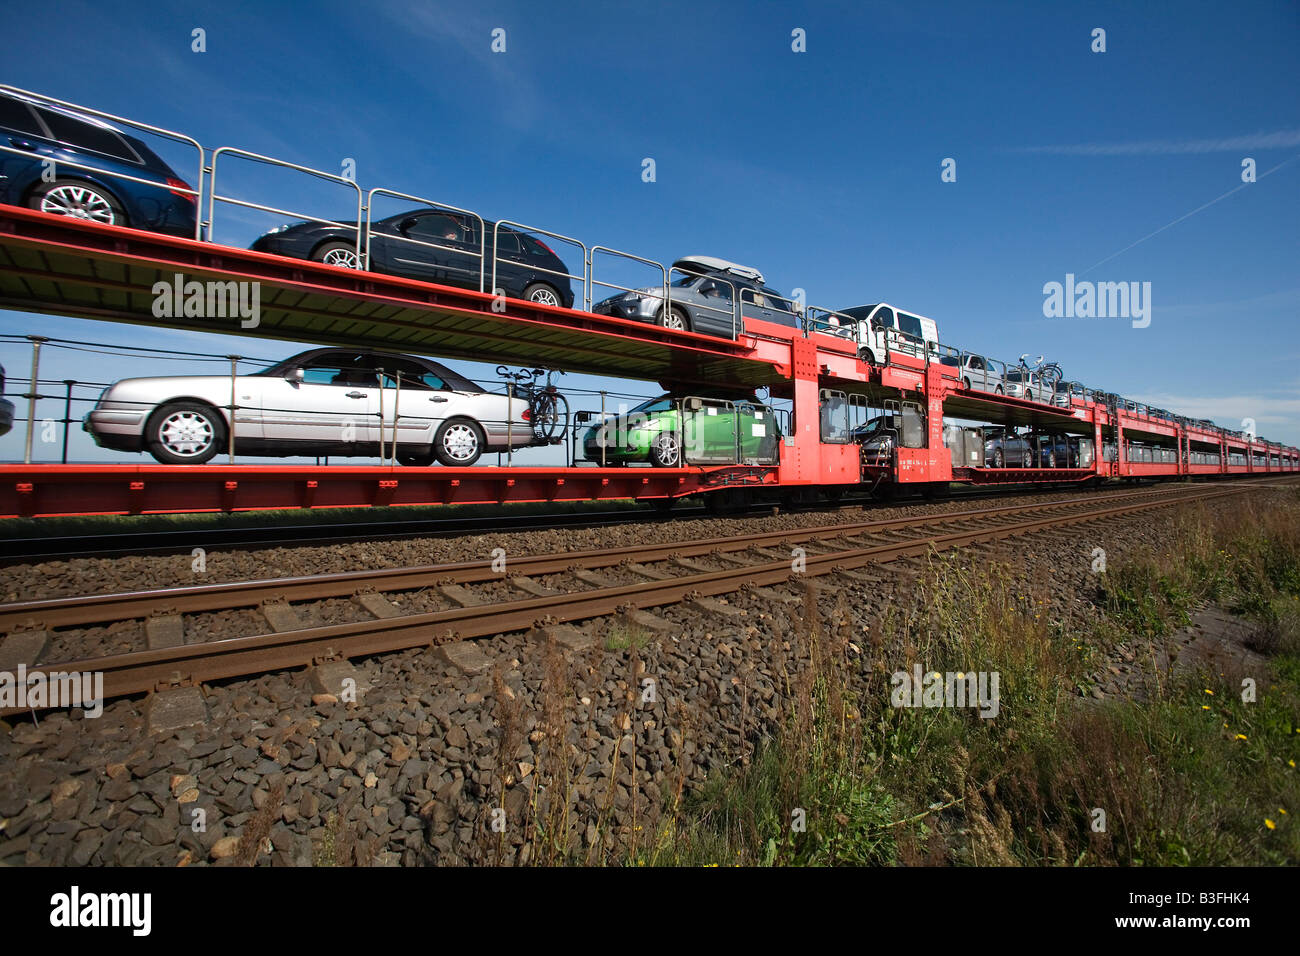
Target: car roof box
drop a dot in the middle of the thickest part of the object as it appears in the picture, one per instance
(713, 264)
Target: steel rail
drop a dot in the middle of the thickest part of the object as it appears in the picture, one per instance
(143, 671)
(107, 608)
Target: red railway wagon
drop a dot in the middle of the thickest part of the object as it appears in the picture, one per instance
(55, 265)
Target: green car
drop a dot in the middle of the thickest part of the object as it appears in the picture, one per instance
(668, 432)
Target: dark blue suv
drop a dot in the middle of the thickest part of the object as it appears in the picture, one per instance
(41, 139)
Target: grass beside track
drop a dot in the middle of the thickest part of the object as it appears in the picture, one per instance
(1191, 775)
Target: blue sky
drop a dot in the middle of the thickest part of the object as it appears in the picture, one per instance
(821, 168)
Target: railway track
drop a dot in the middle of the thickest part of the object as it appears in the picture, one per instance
(528, 590)
(26, 550)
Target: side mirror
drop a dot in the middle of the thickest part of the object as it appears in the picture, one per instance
(694, 404)
(581, 418)
(295, 375)
(406, 224)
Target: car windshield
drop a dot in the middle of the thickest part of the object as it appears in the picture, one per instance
(661, 404)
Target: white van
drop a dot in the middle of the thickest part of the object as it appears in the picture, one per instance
(881, 328)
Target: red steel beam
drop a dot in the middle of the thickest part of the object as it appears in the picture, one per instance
(67, 490)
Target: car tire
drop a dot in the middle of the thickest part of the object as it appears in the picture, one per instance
(79, 200)
(341, 254)
(1028, 460)
(867, 356)
(675, 318)
(666, 451)
(999, 459)
(965, 383)
(458, 442)
(1029, 395)
(543, 294)
(185, 433)
(1051, 459)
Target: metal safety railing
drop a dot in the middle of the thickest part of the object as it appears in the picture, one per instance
(214, 197)
(519, 228)
(592, 281)
(732, 312)
(437, 207)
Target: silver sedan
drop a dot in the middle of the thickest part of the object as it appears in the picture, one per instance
(325, 401)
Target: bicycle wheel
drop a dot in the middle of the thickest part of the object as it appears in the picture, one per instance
(544, 417)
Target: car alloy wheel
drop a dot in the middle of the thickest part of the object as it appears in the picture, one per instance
(542, 294)
(674, 320)
(460, 442)
(666, 452)
(186, 434)
(339, 254)
(999, 460)
(79, 202)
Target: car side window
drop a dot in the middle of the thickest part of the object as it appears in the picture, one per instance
(909, 325)
(87, 136)
(716, 290)
(18, 116)
(776, 301)
(508, 242)
(885, 318)
(414, 375)
(324, 370)
(436, 228)
(342, 368)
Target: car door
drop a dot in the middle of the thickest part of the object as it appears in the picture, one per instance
(337, 402)
(416, 398)
(512, 269)
(758, 432)
(883, 332)
(421, 245)
(910, 338)
(19, 130)
(712, 308)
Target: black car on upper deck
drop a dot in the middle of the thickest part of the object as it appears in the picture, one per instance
(435, 245)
